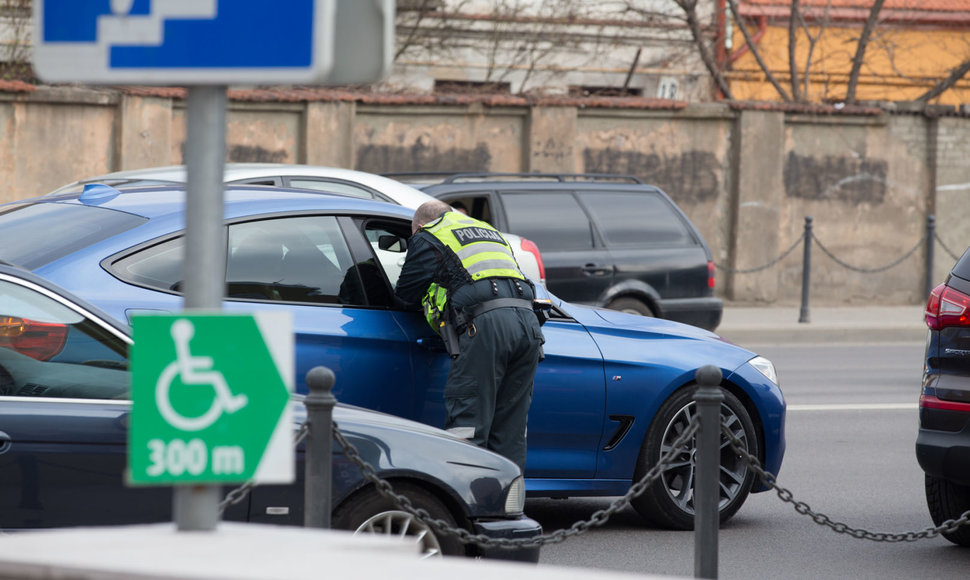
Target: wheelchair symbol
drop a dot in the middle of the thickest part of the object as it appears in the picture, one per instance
(193, 370)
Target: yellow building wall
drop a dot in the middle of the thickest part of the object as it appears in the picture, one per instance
(900, 65)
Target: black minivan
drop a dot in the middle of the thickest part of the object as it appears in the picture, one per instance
(606, 240)
(943, 443)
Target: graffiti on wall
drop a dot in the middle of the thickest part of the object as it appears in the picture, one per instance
(420, 157)
(255, 154)
(690, 177)
(846, 179)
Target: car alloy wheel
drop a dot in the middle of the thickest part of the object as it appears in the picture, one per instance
(669, 501)
(369, 512)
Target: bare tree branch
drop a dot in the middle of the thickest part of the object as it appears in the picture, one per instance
(794, 19)
(956, 73)
(754, 50)
(860, 51)
(707, 56)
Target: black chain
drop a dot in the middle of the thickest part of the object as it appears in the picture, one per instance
(760, 268)
(868, 270)
(238, 494)
(946, 249)
(823, 520)
(597, 519)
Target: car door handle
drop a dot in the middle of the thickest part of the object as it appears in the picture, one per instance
(5, 442)
(432, 343)
(596, 269)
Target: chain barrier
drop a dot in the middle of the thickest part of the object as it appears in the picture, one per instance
(945, 248)
(821, 519)
(600, 517)
(868, 270)
(760, 268)
(238, 494)
(597, 519)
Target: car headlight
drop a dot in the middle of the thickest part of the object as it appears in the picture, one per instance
(764, 367)
(515, 501)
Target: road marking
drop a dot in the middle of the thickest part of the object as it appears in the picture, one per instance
(856, 407)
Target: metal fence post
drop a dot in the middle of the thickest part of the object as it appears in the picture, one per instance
(803, 314)
(319, 448)
(706, 490)
(930, 242)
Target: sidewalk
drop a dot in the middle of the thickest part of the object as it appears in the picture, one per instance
(750, 325)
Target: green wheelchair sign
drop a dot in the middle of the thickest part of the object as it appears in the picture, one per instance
(211, 399)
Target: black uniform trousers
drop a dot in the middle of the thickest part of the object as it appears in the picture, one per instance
(489, 388)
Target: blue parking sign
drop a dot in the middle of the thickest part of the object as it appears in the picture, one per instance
(183, 41)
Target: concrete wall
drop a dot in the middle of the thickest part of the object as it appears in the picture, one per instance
(746, 175)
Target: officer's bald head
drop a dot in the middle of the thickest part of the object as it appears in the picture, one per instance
(428, 212)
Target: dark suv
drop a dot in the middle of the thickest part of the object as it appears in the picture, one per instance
(606, 240)
(943, 444)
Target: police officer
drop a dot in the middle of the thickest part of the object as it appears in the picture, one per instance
(464, 274)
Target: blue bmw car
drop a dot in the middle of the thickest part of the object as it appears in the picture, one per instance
(64, 416)
(611, 395)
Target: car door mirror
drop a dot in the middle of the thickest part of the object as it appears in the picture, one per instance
(390, 243)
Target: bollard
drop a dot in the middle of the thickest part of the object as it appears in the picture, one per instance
(803, 314)
(318, 468)
(930, 241)
(708, 465)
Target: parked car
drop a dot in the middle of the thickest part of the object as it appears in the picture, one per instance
(64, 409)
(611, 395)
(943, 443)
(607, 240)
(325, 179)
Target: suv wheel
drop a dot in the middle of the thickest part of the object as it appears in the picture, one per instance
(948, 501)
(630, 306)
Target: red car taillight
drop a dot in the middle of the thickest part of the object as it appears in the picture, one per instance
(38, 340)
(710, 274)
(947, 307)
(529, 246)
(930, 402)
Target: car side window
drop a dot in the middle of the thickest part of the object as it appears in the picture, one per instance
(553, 220)
(159, 266)
(635, 219)
(301, 259)
(477, 206)
(50, 350)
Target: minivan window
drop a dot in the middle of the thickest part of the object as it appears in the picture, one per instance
(552, 220)
(38, 234)
(636, 219)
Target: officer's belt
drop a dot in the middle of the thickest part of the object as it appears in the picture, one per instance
(489, 305)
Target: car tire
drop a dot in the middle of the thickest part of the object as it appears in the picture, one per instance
(669, 501)
(630, 306)
(369, 512)
(948, 501)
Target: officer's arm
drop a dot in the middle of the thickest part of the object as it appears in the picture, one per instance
(418, 271)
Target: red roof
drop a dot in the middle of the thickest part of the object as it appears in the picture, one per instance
(939, 12)
(921, 5)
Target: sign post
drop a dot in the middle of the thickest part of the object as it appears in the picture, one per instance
(208, 45)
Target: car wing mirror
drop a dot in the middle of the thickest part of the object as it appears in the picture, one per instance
(390, 243)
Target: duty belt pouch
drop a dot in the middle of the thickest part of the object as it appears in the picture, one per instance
(449, 335)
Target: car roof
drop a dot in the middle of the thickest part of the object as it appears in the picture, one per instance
(240, 200)
(401, 193)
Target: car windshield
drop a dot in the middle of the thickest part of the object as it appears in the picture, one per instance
(45, 232)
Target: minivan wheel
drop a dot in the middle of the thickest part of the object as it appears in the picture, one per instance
(630, 306)
(948, 501)
(669, 501)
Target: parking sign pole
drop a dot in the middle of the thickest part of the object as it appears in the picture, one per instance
(196, 507)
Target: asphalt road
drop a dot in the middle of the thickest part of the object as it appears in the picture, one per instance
(852, 423)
